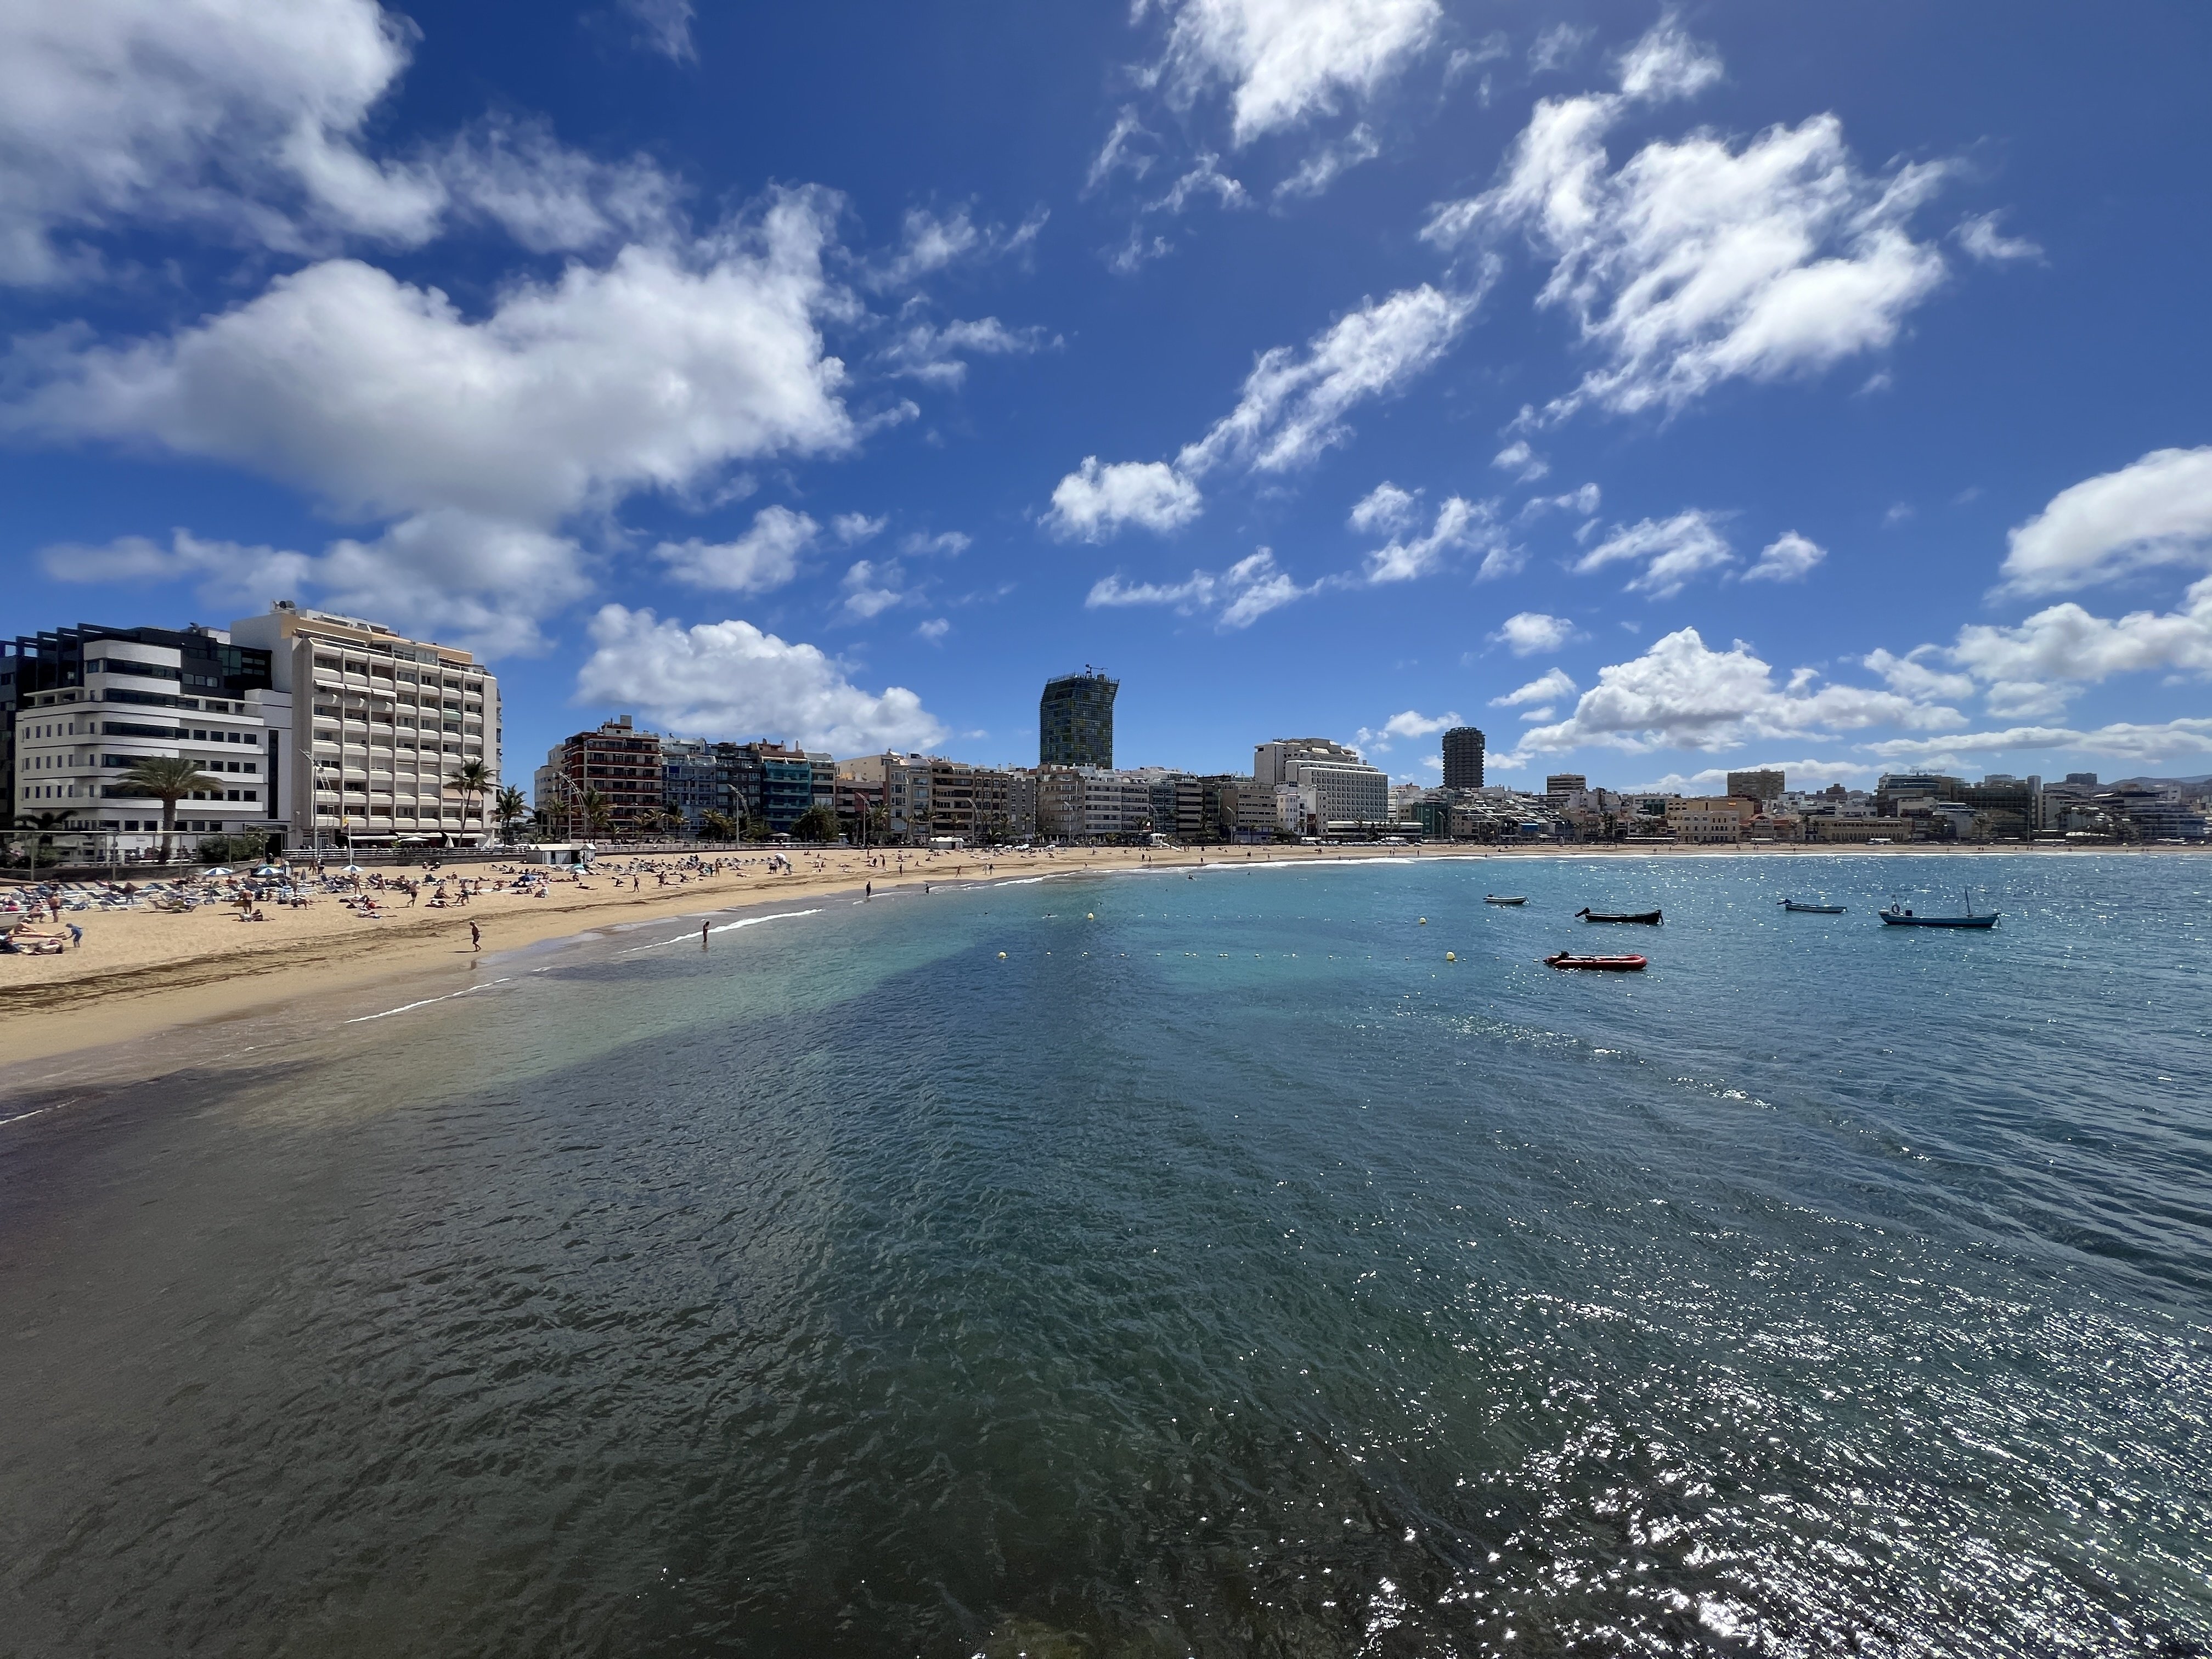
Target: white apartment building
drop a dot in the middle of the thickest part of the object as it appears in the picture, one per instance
(1255, 807)
(1331, 784)
(1329, 793)
(1271, 762)
(85, 705)
(1086, 803)
(373, 726)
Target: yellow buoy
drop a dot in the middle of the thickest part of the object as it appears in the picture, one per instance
(1424, 921)
(1451, 956)
(1090, 915)
(1002, 955)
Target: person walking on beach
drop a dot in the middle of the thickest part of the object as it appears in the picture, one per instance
(476, 937)
(868, 890)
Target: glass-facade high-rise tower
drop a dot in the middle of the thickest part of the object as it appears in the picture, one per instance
(1075, 720)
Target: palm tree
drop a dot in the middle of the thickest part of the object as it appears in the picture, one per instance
(717, 826)
(167, 778)
(598, 814)
(42, 826)
(510, 809)
(473, 778)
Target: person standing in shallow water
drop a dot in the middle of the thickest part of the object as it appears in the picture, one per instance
(476, 937)
(702, 935)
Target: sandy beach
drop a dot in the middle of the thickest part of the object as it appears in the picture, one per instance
(140, 972)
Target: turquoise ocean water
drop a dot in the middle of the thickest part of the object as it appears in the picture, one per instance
(1221, 1271)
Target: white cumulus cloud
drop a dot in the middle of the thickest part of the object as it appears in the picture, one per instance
(1528, 632)
(2144, 742)
(1460, 524)
(1916, 676)
(1681, 694)
(1789, 558)
(480, 439)
(380, 396)
(1385, 508)
(766, 557)
(483, 583)
(1094, 502)
(728, 680)
(2154, 511)
(2067, 643)
(873, 587)
(242, 119)
(1409, 723)
(2037, 666)
(229, 574)
(1539, 695)
(1698, 261)
(1286, 61)
(1673, 551)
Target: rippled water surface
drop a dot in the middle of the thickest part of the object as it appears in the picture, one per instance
(1222, 1271)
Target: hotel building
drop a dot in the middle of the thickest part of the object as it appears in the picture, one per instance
(1318, 785)
(365, 727)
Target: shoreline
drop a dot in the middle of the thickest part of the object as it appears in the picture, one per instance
(140, 974)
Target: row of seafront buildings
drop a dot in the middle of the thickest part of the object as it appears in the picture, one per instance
(318, 731)
(619, 781)
(1902, 807)
(310, 729)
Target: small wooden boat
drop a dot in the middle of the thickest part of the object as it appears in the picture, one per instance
(1899, 916)
(1620, 964)
(1647, 918)
(1497, 898)
(1812, 910)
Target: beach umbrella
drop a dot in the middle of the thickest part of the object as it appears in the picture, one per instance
(350, 870)
(220, 870)
(268, 870)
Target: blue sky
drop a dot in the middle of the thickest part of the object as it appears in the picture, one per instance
(1660, 391)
